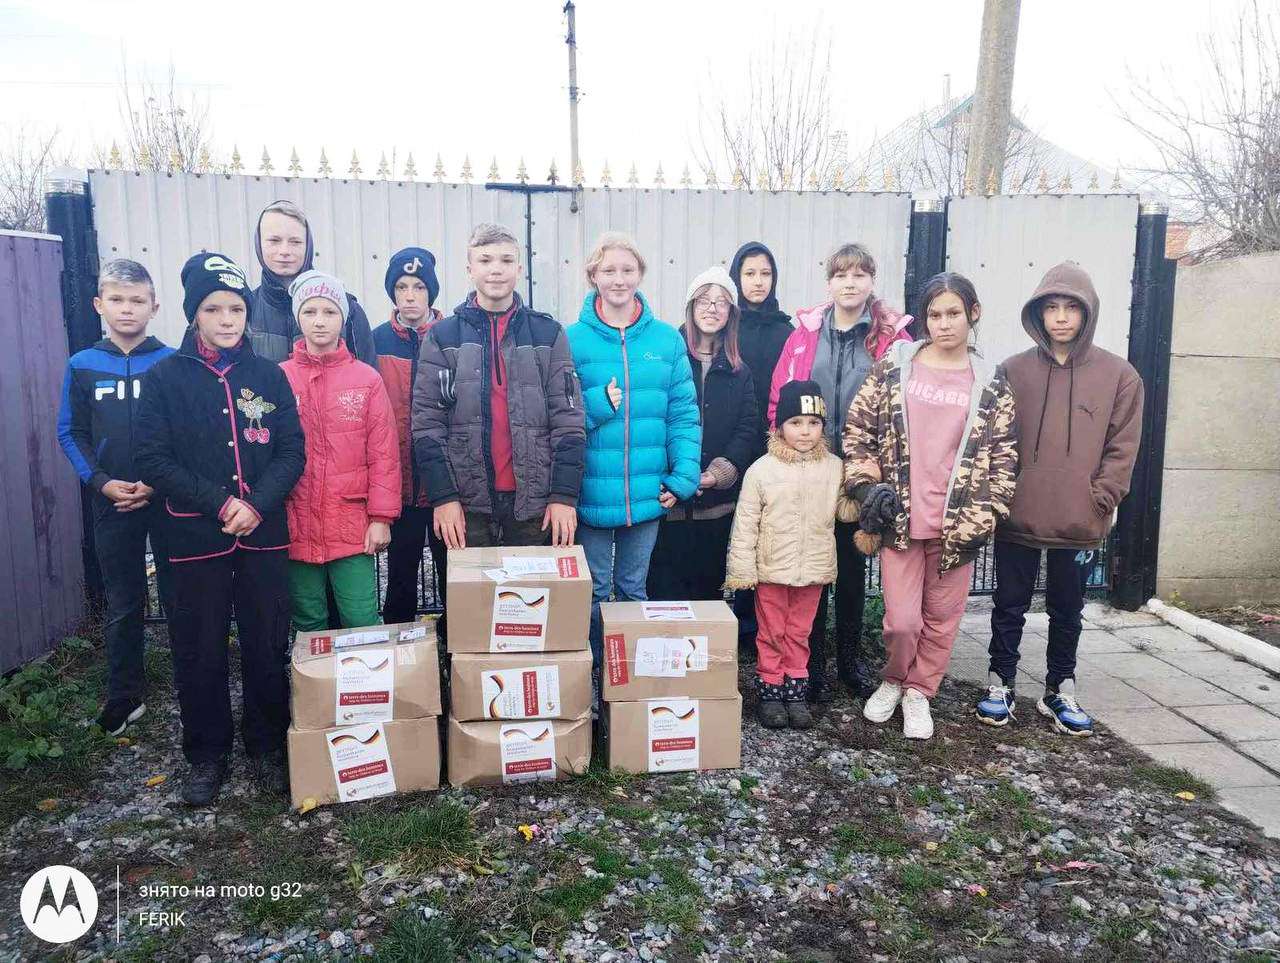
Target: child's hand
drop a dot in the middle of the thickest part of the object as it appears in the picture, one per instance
(376, 537)
(240, 519)
(614, 393)
(119, 491)
(667, 499)
(450, 524)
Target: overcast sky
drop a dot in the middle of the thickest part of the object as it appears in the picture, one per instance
(489, 78)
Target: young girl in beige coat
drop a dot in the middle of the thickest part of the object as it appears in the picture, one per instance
(783, 545)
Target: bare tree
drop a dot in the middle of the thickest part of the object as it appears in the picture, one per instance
(164, 130)
(1220, 154)
(773, 129)
(25, 158)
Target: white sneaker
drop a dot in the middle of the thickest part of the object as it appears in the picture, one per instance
(917, 722)
(882, 702)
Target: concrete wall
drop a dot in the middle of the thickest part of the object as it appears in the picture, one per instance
(1220, 520)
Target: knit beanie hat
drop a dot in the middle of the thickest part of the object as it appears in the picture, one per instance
(207, 272)
(712, 275)
(317, 284)
(799, 398)
(414, 262)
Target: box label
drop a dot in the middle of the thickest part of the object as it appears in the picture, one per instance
(528, 753)
(673, 734)
(417, 632)
(519, 621)
(361, 638)
(568, 566)
(667, 611)
(519, 566)
(671, 657)
(615, 656)
(496, 575)
(321, 644)
(365, 685)
(361, 762)
(521, 693)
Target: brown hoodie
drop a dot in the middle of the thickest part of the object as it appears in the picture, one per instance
(1078, 426)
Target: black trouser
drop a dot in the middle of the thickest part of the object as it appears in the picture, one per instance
(501, 527)
(1016, 569)
(120, 541)
(410, 533)
(688, 559)
(258, 583)
(851, 596)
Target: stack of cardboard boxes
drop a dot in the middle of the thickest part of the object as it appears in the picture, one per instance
(671, 684)
(520, 674)
(366, 706)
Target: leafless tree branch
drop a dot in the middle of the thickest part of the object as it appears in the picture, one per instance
(25, 158)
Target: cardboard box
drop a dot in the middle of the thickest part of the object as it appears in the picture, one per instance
(500, 753)
(528, 685)
(342, 677)
(675, 735)
(660, 649)
(518, 599)
(351, 763)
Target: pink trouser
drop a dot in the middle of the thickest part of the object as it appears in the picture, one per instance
(922, 612)
(784, 616)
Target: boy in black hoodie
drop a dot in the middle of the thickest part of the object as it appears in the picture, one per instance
(96, 427)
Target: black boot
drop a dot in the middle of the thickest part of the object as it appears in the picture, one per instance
(204, 782)
(771, 712)
(270, 773)
(794, 698)
(859, 678)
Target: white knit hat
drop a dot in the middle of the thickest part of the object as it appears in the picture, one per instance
(317, 284)
(712, 275)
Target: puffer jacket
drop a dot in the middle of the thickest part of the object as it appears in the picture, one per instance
(784, 527)
(452, 424)
(353, 457)
(877, 448)
(653, 439)
(397, 346)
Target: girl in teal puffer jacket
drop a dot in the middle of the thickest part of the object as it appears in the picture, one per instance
(644, 440)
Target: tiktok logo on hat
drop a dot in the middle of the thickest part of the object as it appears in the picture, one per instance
(59, 904)
(412, 266)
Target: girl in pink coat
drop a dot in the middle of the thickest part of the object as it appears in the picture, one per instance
(341, 510)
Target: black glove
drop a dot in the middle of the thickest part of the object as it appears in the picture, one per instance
(880, 509)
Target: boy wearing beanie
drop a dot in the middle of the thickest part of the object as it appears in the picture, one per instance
(783, 545)
(1079, 425)
(341, 510)
(222, 447)
(413, 287)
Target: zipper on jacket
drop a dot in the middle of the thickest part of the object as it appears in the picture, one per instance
(128, 395)
(568, 389)
(626, 427)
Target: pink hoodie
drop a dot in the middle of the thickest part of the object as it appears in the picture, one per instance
(798, 353)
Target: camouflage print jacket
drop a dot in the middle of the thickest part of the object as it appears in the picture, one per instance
(877, 448)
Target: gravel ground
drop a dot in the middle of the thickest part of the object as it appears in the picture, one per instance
(1260, 621)
(841, 843)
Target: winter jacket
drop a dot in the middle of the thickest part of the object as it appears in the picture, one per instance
(273, 328)
(877, 444)
(804, 345)
(762, 331)
(206, 438)
(784, 527)
(730, 427)
(451, 417)
(101, 398)
(352, 476)
(652, 440)
(397, 347)
(1079, 425)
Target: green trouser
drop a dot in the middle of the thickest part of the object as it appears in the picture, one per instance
(355, 590)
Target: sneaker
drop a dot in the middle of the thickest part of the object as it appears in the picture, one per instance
(917, 721)
(772, 714)
(270, 773)
(883, 701)
(997, 708)
(1062, 708)
(203, 783)
(118, 713)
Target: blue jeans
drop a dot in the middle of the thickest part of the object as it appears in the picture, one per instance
(619, 563)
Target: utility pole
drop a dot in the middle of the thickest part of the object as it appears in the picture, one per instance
(992, 97)
(571, 40)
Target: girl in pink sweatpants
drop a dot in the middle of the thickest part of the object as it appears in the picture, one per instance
(931, 458)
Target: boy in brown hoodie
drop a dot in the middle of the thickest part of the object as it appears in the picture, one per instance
(1079, 424)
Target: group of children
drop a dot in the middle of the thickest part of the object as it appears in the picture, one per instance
(285, 444)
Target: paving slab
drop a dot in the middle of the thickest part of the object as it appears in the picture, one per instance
(1238, 723)
(972, 670)
(1255, 686)
(1211, 666)
(1220, 766)
(1103, 695)
(1101, 642)
(1266, 752)
(1133, 665)
(1184, 690)
(1165, 637)
(1156, 726)
(1261, 806)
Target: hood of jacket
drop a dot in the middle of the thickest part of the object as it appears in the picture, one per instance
(1067, 279)
(589, 317)
(145, 346)
(780, 450)
(274, 287)
(770, 303)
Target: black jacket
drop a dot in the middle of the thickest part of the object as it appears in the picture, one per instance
(101, 398)
(208, 437)
(730, 423)
(762, 331)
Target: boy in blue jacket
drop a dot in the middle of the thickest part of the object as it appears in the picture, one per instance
(101, 395)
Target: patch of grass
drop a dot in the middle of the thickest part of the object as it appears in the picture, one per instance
(748, 783)
(1208, 877)
(421, 838)
(851, 838)
(1011, 795)
(608, 860)
(927, 795)
(627, 813)
(1173, 780)
(1034, 824)
(292, 865)
(564, 905)
(1171, 872)
(1118, 931)
(914, 879)
(411, 939)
